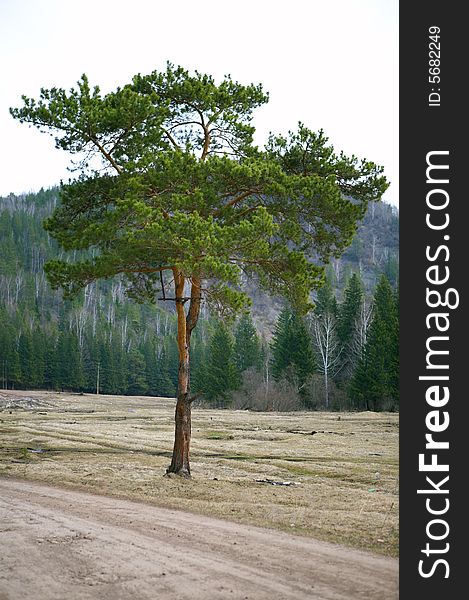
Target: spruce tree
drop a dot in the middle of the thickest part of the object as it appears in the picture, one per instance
(375, 382)
(72, 364)
(26, 359)
(38, 348)
(303, 358)
(221, 374)
(326, 302)
(348, 315)
(198, 366)
(63, 366)
(148, 350)
(51, 373)
(160, 373)
(90, 358)
(171, 350)
(247, 351)
(108, 369)
(281, 343)
(10, 368)
(136, 381)
(292, 351)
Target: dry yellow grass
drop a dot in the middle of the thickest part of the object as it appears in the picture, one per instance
(346, 472)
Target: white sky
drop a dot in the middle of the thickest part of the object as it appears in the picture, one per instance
(332, 64)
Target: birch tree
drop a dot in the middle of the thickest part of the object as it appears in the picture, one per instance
(328, 348)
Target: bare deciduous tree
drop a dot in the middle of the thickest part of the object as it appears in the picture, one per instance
(361, 331)
(328, 349)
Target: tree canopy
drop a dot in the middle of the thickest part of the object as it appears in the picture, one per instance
(170, 179)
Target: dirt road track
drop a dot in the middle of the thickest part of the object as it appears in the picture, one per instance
(57, 544)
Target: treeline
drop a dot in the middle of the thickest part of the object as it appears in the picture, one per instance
(342, 356)
(51, 344)
(63, 356)
(136, 354)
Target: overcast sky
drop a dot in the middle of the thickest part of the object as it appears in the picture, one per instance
(332, 64)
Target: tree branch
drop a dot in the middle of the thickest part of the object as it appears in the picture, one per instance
(206, 138)
(185, 123)
(235, 200)
(106, 154)
(194, 306)
(171, 139)
(137, 269)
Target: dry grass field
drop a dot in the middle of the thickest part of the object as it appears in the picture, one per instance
(343, 467)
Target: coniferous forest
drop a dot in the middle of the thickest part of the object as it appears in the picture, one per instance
(342, 356)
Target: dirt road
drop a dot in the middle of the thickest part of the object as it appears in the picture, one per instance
(57, 544)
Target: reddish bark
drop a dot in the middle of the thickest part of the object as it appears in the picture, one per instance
(180, 464)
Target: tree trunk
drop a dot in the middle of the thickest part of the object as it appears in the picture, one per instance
(326, 381)
(180, 464)
(182, 438)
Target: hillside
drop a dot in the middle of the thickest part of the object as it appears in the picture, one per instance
(102, 339)
(374, 250)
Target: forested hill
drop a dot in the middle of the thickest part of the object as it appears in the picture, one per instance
(104, 339)
(46, 342)
(374, 251)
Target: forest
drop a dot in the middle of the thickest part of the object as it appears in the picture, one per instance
(342, 356)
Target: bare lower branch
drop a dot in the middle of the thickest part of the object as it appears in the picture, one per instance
(170, 138)
(105, 153)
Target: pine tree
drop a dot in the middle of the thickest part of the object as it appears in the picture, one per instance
(184, 190)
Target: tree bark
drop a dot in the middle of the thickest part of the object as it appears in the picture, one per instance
(180, 464)
(326, 381)
(180, 460)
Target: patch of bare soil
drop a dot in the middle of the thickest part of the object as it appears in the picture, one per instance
(60, 544)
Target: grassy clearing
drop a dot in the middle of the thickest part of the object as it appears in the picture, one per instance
(346, 465)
